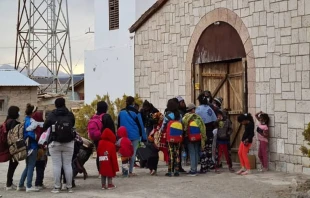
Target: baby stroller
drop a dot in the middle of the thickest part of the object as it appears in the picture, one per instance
(82, 157)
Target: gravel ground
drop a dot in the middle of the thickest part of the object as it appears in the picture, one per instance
(224, 185)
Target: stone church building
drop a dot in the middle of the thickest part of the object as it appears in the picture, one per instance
(253, 53)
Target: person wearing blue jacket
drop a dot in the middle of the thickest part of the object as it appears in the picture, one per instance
(29, 135)
(131, 119)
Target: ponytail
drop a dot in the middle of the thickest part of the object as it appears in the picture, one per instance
(246, 116)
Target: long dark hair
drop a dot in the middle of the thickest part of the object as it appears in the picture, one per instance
(173, 106)
(13, 113)
(30, 109)
(246, 116)
(265, 118)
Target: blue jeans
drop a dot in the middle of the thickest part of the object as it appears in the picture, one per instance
(135, 144)
(194, 150)
(28, 171)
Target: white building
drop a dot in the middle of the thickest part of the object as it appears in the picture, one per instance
(109, 68)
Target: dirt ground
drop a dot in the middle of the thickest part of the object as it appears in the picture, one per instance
(224, 185)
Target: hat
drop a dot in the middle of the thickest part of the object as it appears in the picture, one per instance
(190, 106)
(219, 100)
(179, 98)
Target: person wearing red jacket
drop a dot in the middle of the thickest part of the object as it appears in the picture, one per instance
(125, 149)
(107, 158)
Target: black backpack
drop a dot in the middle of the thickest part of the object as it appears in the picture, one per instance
(63, 130)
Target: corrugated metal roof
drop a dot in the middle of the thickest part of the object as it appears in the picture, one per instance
(10, 78)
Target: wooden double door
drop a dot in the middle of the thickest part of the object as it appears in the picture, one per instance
(227, 80)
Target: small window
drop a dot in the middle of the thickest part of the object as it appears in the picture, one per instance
(113, 14)
(1, 105)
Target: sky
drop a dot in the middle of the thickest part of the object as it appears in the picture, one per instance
(81, 18)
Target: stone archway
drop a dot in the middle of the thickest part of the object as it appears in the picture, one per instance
(228, 16)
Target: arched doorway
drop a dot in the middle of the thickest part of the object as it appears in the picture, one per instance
(218, 54)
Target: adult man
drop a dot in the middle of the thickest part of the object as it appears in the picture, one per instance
(131, 119)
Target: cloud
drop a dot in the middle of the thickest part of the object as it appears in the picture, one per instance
(81, 17)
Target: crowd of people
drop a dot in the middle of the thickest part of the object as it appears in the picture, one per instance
(198, 134)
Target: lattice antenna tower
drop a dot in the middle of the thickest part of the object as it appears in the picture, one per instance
(43, 40)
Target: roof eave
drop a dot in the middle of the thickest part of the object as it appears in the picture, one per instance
(147, 15)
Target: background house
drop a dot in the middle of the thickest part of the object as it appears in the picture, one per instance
(16, 89)
(254, 54)
(109, 68)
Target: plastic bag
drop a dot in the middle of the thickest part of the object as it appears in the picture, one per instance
(44, 137)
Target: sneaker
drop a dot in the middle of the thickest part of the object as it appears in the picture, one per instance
(64, 187)
(153, 172)
(21, 188)
(240, 171)
(176, 174)
(32, 189)
(70, 190)
(55, 190)
(12, 187)
(111, 186)
(191, 174)
(247, 172)
(104, 187)
(168, 174)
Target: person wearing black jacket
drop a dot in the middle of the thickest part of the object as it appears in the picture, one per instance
(246, 142)
(107, 122)
(147, 111)
(61, 152)
(11, 122)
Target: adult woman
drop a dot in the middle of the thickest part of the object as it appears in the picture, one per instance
(208, 116)
(62, 121)
(32, 149)
(11, 122)
(131, 118)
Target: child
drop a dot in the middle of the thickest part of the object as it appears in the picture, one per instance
(107, 158)
(125, 149)
(152, 161)
(41, 156)
(223, 136)
(263, 133)
(173, 148)
(246, 142)
(29, 135)
(194, 146)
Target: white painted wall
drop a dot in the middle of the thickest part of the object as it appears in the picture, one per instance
(113, 56)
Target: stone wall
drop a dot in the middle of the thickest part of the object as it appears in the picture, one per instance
(18, 96)
(279, 31)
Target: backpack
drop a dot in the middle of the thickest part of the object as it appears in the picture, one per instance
(63, 130)
(193, 131)
(95, 127)
(16, 142)
(4, 147)
(174, 132)
(222, 132)
(126, 147)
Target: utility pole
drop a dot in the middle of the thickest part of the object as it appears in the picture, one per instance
(43, 40)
